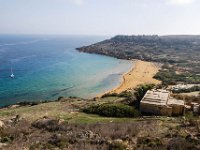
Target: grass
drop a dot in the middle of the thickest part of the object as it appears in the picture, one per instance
(66, 111)
(6, 113)
(59, 110)
(34, 112)
(90, 118)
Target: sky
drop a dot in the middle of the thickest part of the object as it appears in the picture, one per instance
(100, 17)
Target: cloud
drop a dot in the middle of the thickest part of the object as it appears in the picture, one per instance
(74, 2)
(180, 2)
(78, 2)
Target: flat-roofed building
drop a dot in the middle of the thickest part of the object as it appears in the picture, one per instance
(178, 106)
(158, 102)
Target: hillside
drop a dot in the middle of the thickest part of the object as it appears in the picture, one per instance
(62, 125)
(182, 51)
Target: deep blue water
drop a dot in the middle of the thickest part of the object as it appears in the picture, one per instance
(47, 67)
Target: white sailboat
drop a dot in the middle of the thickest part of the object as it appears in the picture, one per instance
(12, 74)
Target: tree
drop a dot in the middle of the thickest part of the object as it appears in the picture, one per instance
(139, 93)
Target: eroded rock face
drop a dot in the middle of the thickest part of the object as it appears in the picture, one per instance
(2, 145)
(2, 125)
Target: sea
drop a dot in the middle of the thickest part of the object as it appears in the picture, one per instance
(49, 66)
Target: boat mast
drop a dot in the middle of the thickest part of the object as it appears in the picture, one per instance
(11, 70)
(12, 75)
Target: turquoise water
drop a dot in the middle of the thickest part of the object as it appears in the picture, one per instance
(47, 67)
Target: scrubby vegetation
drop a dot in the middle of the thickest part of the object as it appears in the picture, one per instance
(192, 89)
(26, 103)
(138, 93)
(153, 133)
(62, 125)
(168, 76)
(126, 94)
(133, 97)
(109, 95)
(187, 98)
(112, 110)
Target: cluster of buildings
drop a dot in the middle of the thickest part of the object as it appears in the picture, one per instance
(160, 102)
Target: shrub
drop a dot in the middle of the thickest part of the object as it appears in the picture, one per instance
(117, 146)
(192, 89)
(27, 103)
(181, 144)
(109, 95)
(6, 139)
(57, 141)
(112, 110)
(149, 142)
(141, 90)
(126, 94)
(73, 97)
(47, 124)
(60, 98)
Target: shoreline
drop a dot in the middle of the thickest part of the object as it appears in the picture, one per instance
(141, 72)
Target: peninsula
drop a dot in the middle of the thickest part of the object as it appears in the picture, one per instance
(182, 51)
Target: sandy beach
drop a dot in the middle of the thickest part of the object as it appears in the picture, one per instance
(142, 72)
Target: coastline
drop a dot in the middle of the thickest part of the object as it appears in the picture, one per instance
(142, 72)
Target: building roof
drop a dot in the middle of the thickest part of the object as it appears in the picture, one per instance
(173, 101)
(156, 97)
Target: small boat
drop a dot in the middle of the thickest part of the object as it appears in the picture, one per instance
(12, 74)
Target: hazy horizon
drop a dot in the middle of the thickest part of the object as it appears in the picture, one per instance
(97, 35)
(101, 18)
